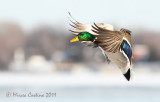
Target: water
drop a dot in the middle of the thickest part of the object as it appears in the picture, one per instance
(83, 94)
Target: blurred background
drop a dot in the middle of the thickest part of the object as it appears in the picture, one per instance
(36, 55)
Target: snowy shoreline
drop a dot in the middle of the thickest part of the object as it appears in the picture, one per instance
(86, 79)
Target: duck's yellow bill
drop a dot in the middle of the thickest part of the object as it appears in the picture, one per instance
(75, 39)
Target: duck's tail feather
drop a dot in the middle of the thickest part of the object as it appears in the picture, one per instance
(128, 74)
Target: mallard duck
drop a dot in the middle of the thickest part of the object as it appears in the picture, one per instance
(115, 45)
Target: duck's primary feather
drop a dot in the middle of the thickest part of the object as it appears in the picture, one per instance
(80, 27)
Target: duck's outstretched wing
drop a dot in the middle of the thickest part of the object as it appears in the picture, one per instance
(80, 27)
(110, 41)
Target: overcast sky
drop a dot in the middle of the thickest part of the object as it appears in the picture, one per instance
(122, 13)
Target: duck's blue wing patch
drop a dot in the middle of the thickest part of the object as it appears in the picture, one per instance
(127, 49)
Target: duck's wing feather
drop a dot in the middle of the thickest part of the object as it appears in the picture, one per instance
(127, 35)
(110, 41)
(81, 27)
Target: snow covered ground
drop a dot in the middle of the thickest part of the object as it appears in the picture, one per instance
(140, 77)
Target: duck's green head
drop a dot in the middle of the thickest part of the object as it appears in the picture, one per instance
(83, 36)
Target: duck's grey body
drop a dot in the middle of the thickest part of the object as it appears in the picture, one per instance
(110, 42)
